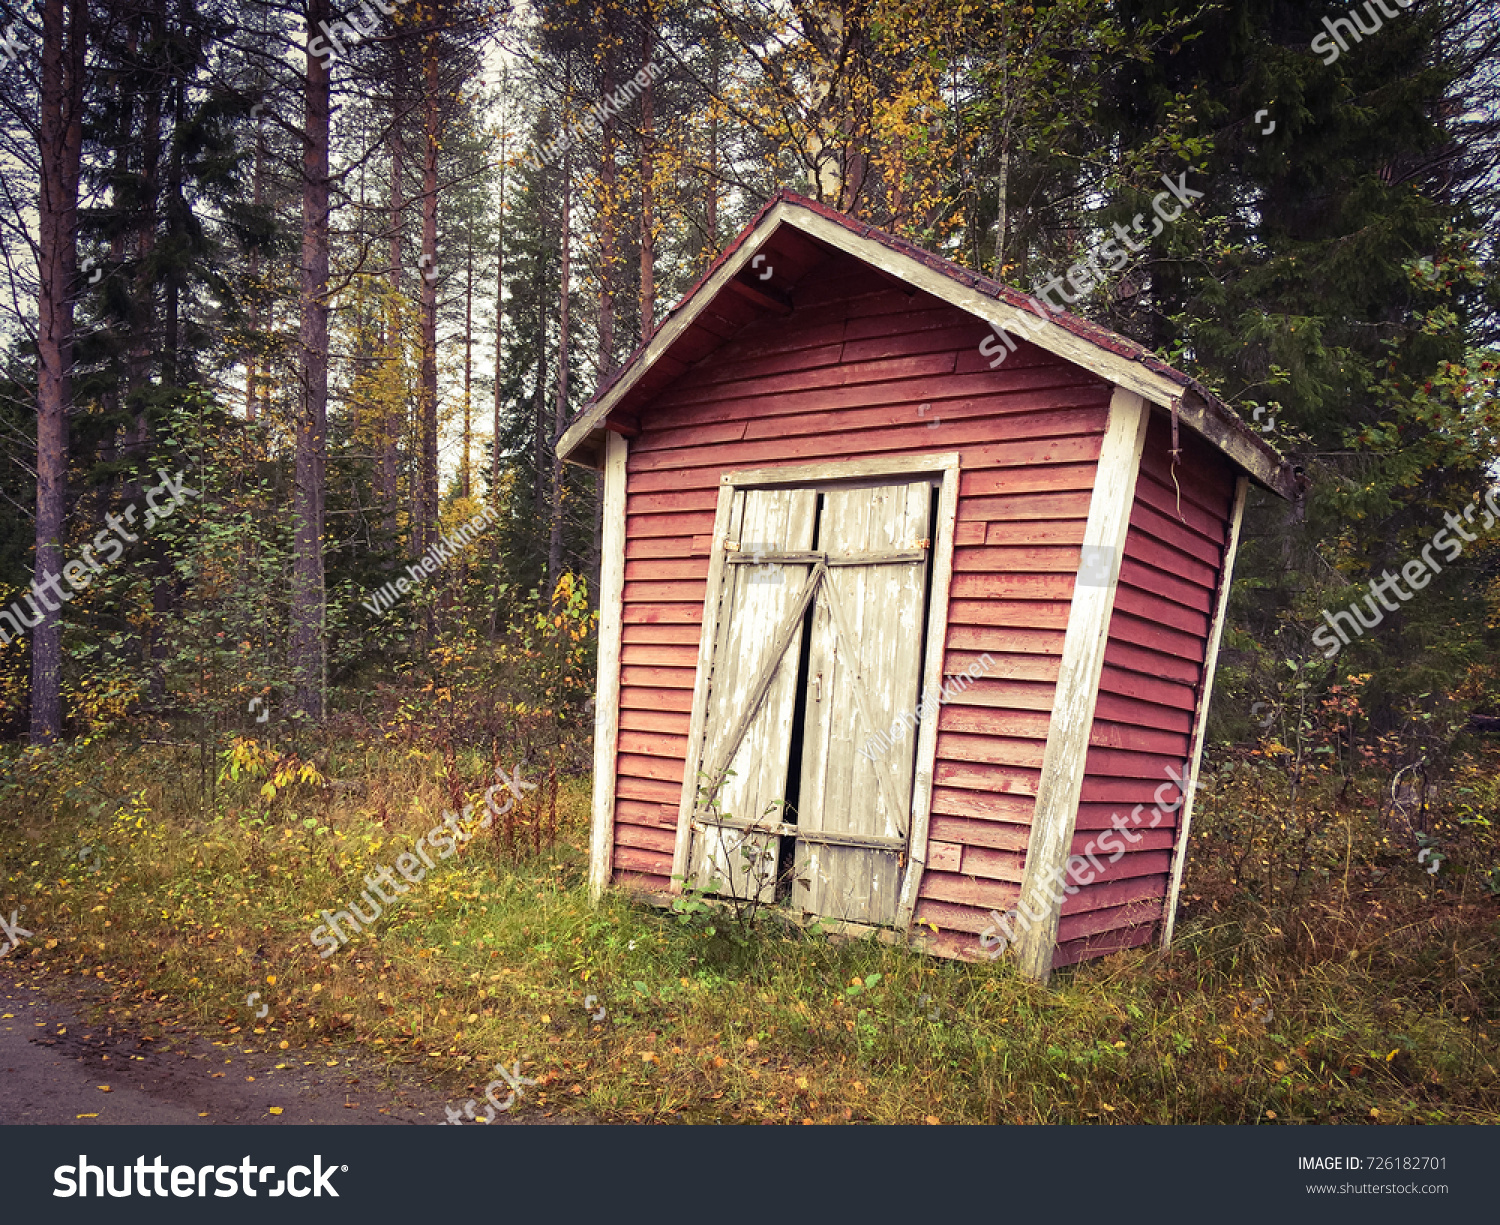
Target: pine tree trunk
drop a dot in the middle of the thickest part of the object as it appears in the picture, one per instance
(499, 335)
(119, 250)
(711, 202)
(426, 529)
(539, 416)
(143, 346)
(308, 648)
(175, 225)
(648, 171)
(607, 217)
(391, 429)
(257, 199)
(163, 593)
(60, 145)
(463, 478)
(1002, 219)
(499, 365)
(560, 412)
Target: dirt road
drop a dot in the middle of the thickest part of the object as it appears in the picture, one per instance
(56, 1067)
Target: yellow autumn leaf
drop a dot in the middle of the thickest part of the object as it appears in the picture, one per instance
(86, 1116)
(274, 1109)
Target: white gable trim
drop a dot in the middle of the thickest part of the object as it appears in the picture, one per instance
(1224, 431)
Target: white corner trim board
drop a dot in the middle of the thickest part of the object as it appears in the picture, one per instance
(607, 686)
(1066, 754)
(1200, 717)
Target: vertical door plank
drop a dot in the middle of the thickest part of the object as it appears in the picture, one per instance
(865, 664)
(756, 601)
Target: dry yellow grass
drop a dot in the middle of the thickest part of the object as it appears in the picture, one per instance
(186, 899)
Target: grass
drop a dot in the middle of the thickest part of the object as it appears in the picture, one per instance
(1369, 996)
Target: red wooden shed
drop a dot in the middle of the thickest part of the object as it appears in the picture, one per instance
(893, 633)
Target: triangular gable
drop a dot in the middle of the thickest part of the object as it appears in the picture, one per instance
(1070, 337)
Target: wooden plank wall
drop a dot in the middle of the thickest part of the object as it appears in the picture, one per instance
(1153, 674)
(845, 377)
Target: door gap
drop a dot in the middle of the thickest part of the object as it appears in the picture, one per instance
(932, 518)
(786, 861)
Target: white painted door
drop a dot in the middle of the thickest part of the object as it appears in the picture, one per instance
(865, 661)
(752, 694)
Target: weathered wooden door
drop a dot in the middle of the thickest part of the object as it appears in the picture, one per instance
(857, 557)
(752, 694)
(864, 670)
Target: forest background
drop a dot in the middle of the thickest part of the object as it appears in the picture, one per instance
(353, 298)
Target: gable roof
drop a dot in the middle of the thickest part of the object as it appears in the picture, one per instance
(793, 231)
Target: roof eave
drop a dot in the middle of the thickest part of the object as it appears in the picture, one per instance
(1197, 408)
(586, 434)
